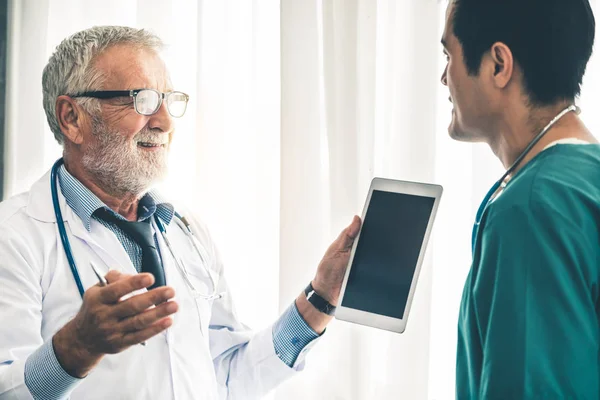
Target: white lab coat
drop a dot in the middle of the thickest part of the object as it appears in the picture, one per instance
(38, 296)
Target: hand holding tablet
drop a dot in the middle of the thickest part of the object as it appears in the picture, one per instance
(387, 255)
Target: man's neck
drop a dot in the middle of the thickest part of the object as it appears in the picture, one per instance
(124, 204)
(520, 127)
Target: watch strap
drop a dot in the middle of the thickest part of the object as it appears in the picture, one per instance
(317, 301)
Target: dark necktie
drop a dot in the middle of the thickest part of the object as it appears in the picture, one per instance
(140, 233)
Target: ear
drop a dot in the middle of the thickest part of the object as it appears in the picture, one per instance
(70, 118)
(503, 64)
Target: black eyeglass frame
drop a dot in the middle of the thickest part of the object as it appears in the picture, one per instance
(111, 94)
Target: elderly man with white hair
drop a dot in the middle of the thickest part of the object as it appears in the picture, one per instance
(106, 290)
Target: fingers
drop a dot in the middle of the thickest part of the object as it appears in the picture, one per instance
(137, 304)
(110, 322)
(114, 291)
(346, 238)
(113, 275)
(354, 227)
(136, 337)
(149, 317)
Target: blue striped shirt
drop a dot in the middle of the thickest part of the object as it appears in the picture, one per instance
(44, 376)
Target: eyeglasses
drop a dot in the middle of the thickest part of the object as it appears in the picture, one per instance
(146, 101)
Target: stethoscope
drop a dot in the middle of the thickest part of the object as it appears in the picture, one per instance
(501, 183)
(179, 220)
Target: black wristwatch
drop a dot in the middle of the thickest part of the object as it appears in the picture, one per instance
(316, 300)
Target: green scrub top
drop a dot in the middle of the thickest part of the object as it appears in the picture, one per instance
(529, 319)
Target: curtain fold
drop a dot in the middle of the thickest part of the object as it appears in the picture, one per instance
(379, 93)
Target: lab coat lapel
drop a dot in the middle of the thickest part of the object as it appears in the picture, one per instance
(101, 240)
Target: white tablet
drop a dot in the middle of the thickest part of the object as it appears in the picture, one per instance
(387, 255)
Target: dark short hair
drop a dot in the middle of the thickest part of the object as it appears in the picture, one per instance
(551, 41)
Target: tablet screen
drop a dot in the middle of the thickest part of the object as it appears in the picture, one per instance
(387, 252)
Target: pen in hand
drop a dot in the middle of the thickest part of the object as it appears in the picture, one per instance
(103, 282)
(101, 279)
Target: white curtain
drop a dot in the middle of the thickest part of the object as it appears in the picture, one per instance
(295, 106)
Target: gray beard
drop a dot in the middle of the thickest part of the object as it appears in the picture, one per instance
(117, 164)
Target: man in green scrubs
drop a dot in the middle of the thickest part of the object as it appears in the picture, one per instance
(529, 318)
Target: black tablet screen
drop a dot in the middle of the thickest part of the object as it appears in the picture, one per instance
(387, 253)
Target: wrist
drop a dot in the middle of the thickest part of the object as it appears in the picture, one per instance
(318, 302)
(321, 290)
(314, 318)
(71, 354)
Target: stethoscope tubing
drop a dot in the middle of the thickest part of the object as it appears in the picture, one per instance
(491, 193)
(181, 222)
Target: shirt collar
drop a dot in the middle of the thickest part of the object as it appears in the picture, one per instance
(84, 203)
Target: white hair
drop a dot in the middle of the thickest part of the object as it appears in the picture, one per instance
(71, 70)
